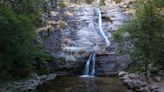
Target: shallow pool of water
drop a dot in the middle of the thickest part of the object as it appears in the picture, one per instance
(79, 84)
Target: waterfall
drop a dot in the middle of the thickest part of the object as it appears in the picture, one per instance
(90, 66)
(101, 29)
(87, 66)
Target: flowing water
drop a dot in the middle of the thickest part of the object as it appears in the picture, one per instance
(80, 84)
(101, 29)
(87, 66)
(90, 66)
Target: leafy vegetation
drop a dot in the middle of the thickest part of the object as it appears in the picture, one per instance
(16, 34)
(42, 60)
(145, 34)
(19, 57)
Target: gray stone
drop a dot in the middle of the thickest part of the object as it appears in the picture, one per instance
(144, 89)
(43, 77)
(154, 86)
(133, 76)
(161, 89)
(157, 79)
(121, 73)
(126, 77)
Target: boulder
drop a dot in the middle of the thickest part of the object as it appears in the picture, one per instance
(144, 89)
(161, 89)
(122, 73)
(154, 87)
(133, 76)
(157, 79)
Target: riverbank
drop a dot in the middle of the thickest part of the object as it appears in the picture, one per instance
(138, 82)
(28, 85)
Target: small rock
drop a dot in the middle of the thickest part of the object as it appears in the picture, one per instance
(133, 76)
(122, 73)
(145, 89)
(161, 73)
(139, 84)
(127, 81)
(43, 77)
(126, 77)
(130, 85)
(161, 89)
(157, 79)
(153, 87)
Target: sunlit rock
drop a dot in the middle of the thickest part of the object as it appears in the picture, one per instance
(53, 13)
(68, 13)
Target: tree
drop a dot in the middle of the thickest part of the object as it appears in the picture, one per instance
(29, 8)
(16, 34)
(145, 33)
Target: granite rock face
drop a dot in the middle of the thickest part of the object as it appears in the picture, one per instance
(80, 36)
(75, 34)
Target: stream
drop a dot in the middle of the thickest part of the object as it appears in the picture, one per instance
(81, 84)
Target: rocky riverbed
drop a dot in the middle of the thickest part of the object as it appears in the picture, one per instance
(138, 82)
(26, 85)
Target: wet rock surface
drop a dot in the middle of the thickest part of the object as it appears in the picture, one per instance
(74, 35)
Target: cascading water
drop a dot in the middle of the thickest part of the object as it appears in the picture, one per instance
(87, 66)
(101, 29)
(90, 65)
(92, 57)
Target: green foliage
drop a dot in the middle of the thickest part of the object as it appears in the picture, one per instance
(61, 4)
(159, 3)
(18, 56)
(16, 34)
(135, 69)
(29, 8)
(118, 1)
(42, 60)
(118, 36)
(145, 35)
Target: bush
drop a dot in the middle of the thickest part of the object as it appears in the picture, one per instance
(42, 61)
(62, 4)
